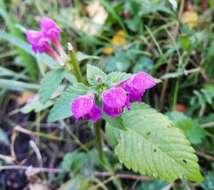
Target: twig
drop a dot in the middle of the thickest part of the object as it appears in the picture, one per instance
(184, 72)
(206, 156)
(12, 146)
(33, 134)
(37, 152)
(23, 130)
(7, 159)
(207, 125)
(181, 8)
(39, 169)
(122, 176)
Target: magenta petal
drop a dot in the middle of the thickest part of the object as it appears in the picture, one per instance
(95, 114)
(113, 112)
(114, 101)
(37, 40)
(142, 81)
(32, 36)
(137, 84)
(49, 28)
(84, 107)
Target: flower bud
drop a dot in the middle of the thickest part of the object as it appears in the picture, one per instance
(84, 107)
(137, 84)
(114, 101)
(38, 41)
(50, 28)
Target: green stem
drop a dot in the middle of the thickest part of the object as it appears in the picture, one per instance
(98, 135)
(76, 68)
(175, 94)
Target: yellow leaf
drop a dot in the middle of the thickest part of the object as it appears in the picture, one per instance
(108, 50)
(190, 18)
(119, 38)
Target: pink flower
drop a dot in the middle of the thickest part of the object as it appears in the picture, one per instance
(38, 41)
(84, 107)
(137, 84)
(50, 28)
(114, 101)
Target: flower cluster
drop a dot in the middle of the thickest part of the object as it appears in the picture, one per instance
(44, 40)
(115, 99)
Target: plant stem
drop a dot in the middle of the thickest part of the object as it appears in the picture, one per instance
(98, 135)
(76, 68)
(175, 94)
(181, 9)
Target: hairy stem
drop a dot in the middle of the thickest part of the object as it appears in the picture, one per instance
(99, 142)
(175, 94)
(76, 68)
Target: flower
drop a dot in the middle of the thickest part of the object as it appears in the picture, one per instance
(114, 101)
(38, 41)
(137, 84)
(84, 107)
(50, 28)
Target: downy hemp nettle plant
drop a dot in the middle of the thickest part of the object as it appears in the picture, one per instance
(144, 140)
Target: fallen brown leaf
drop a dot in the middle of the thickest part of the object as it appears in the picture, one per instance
(24, 97)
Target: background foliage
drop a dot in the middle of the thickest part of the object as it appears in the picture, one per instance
(172, 40)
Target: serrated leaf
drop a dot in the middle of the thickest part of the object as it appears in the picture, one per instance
(95, 75)
(115, 122)
(116, 77)
(61, 109)
(49, 83)
(112, 135)
(153, 146)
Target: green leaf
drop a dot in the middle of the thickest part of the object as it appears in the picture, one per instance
(15, 33)
(4, 137)
(153, 146)
(36, 106)
(149, 7)
(95, 75)
(208, 183)
(62, 108)
(115, 122)
(112, 135)
(116, 77)
(4, 72)
(82, 56)
(73, 161)
(143, 64)
(152, 185)
(77, 182)
(49, 83)
(120, 62)
(17, 85)
(190, 127)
